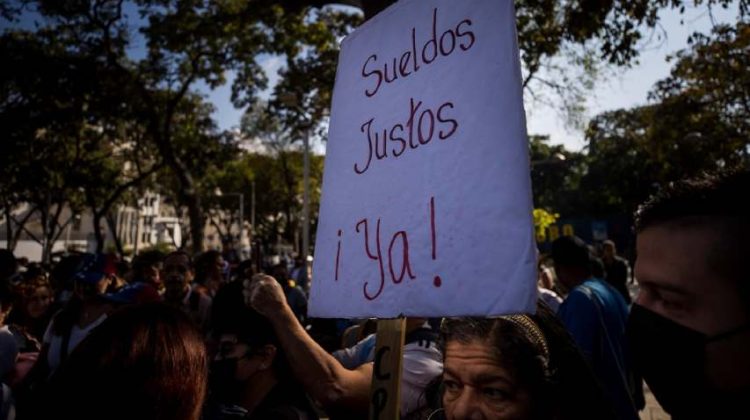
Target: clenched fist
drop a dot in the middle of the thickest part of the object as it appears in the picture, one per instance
(264, 294)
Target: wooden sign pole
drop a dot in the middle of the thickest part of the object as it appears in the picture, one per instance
(386, 373)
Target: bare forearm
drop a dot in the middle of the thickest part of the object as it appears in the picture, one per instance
(322, 376)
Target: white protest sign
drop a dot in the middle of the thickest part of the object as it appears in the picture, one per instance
(426, 205)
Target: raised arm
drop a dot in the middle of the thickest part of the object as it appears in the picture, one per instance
(338, 389)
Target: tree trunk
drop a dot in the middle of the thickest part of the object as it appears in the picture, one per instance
(20, 226)
(187, 192)
(115, 237)
(195, 213)
(9, 229)
(97, 217)
(45, 229)
(52, 230)
(289, 184)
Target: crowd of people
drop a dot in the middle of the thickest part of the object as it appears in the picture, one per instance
(179, 336)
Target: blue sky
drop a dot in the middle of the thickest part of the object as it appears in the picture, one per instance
(626, 88)
(631, 86)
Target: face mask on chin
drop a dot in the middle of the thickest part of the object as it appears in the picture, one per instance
(672, 360)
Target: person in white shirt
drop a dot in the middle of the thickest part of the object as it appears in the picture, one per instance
(86, 310)
(340, 390)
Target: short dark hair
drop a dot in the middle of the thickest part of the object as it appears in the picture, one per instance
(718, 200)
(203, 262)
(230, 315)
(570, 251)
(718, 196)
(182, 253)
(6, 295)
(8, 264)
(147, 259)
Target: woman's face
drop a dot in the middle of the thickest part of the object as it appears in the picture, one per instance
(478, 387)
(38, 302)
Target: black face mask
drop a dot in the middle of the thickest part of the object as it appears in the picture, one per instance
(672, 360)
(222, 382)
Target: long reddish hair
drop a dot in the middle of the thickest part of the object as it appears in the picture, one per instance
(144, 362)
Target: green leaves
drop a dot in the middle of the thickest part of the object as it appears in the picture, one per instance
(700, 121)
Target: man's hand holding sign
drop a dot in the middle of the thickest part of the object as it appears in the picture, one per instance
(426, 204)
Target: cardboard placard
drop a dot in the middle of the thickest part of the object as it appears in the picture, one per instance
(426, 204)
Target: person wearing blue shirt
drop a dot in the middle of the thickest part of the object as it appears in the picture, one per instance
(596, 315)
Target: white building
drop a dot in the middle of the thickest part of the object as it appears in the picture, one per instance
(148, 224)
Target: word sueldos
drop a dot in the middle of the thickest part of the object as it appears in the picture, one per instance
(410, 60)
(384, 139)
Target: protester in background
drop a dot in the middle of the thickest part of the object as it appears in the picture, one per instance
(357, 332)
(29, 319)
(86, 310)
(209, 272)
(595, 314)
(8, 265)
(178, 275)
(617, 269)
(342, 392)
(33, 309)
(294, 294)
(147, 269)
(299, 274)
(250, 377)
(8, 346)
(244, 271)
(690, 325)
(62, 277)
(596, 265)
(119, 270)
(546, 287)
(516, 367)
(231, 255)
(145, 362)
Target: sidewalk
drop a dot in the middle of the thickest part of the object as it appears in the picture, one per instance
(653, 410)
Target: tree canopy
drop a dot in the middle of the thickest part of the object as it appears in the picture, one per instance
(100, 99)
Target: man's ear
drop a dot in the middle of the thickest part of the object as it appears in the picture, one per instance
(267, 354)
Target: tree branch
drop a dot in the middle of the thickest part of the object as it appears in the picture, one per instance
(20, 223)
(31, 235)
(126, 186)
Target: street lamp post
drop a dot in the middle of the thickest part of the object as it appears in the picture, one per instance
(306, 198)
(292, 100)
(242, 222)
(252, 208)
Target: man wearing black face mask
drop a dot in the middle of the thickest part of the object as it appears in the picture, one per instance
(689, 328)
(249, 378)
